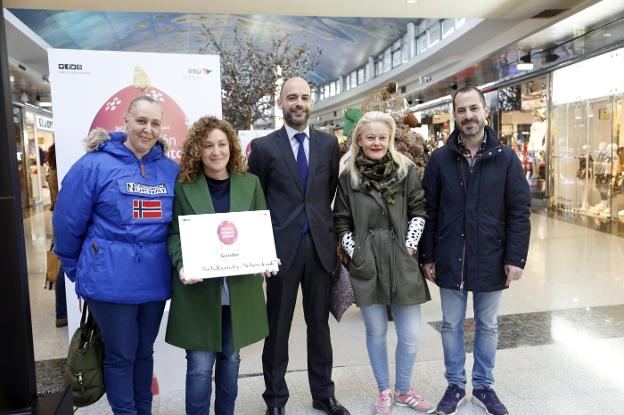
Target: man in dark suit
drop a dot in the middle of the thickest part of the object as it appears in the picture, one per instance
(298, 170)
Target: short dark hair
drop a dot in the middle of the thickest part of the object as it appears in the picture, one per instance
(466, 89)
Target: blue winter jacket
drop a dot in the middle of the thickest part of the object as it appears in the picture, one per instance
(478, 221)
(111, 222)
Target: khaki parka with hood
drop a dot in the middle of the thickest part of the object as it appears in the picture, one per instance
(382, 271)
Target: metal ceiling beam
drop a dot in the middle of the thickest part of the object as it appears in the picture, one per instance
(492, 9)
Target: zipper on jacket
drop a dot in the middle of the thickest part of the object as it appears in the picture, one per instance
(463, 258)
(142, 167)
(464, 187)
(461, 283)
(393, 277)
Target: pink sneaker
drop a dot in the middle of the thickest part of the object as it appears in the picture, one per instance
(412, 400)
(383, 405)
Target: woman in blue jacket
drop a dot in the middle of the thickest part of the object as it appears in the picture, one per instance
(111, 222)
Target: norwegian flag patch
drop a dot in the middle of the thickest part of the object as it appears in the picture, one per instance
(146, 209)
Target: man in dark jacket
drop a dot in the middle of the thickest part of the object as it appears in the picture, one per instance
(298, 169)
(476, 239)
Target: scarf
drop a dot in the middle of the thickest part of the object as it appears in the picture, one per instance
(380, 175)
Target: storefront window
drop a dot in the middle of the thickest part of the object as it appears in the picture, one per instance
(524, 127)
(387, 60)
(38, 136)
(22, 167)
(434, 33)
(421, 43)
(588, 147)
(437, 121)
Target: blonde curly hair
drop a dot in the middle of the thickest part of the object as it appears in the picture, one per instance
(191, 163)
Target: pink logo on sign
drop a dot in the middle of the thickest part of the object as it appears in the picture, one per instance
(227, 232)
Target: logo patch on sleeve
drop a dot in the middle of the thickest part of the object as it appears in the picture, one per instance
(146, 209)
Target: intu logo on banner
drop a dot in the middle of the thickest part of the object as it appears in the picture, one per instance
(199, 71)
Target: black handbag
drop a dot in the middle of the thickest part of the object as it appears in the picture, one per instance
(341, 293)
(84, 374)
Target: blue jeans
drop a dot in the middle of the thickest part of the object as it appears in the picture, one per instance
(199, 365)
(59, 295)
(485, 305)
(407, 326)
(129, 332)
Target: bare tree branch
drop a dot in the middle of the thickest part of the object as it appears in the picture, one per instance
(249, 72)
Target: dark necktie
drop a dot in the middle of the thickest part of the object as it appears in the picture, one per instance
(302, 166)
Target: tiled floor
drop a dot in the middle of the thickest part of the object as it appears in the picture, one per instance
(562, 339)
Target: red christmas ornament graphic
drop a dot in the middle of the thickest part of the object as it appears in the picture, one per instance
(175, 123)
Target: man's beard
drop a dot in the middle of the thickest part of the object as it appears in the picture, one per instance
(292, 122)
(473, 130)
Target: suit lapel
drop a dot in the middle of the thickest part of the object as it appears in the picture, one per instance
(198, 195)
(315, 153)
(283, 143)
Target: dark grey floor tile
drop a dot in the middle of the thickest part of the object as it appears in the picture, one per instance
(535, 329)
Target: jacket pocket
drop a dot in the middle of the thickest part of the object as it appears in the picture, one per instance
(362, 265)
(491, 248)
(91, 264)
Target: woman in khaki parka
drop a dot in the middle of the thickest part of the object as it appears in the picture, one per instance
(379, 216)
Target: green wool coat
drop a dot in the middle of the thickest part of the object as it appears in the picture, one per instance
(195, 311)
(382, 271)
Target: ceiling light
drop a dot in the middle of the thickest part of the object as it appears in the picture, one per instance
(412, 1)
(607, 34)
(45, 104)
(12, 78)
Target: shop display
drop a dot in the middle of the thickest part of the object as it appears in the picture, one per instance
(588, 146)
(437, 123)
(408, 142)
(524, 127)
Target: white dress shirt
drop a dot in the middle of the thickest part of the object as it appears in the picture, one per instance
(294, 143)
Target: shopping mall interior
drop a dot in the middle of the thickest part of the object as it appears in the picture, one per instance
(551, 73)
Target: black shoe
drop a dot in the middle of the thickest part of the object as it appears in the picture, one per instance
(453, 398)
(61, 322)
(275, 410)
(330, 406)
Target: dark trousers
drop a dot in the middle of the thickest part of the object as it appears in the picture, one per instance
(59, 295)
(282, 290)
(129, 332)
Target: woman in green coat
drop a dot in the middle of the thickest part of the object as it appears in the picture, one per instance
(379, 216)
(213, 318)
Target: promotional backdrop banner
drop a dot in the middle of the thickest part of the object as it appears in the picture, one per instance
(247, 136)
(92, 89)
